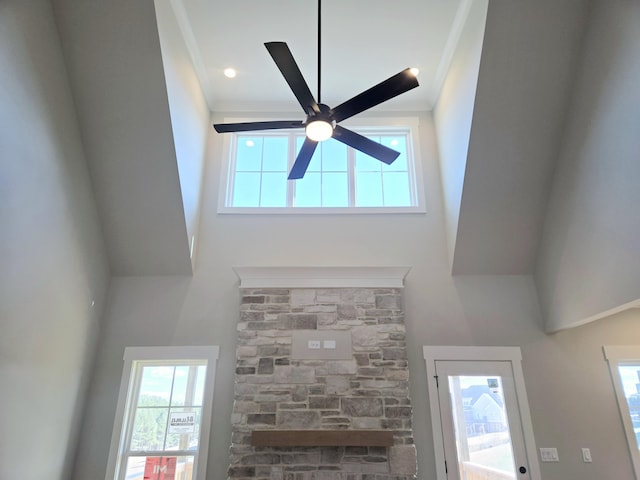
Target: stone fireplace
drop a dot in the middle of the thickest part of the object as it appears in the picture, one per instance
(321, 358)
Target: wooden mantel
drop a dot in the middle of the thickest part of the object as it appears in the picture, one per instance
(321, 438)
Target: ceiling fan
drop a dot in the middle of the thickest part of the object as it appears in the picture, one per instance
(322, 121)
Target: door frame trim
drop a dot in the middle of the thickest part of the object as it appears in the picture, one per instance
(461, 353)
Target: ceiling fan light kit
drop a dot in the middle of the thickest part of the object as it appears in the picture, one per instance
(322, 121)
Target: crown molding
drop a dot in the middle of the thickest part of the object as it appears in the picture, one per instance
(321, 277)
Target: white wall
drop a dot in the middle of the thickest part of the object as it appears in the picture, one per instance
(53, 263)
(589, 260)
(453, 113)
(189, 112)
(529, 55)
(114, 60)
(440, 310)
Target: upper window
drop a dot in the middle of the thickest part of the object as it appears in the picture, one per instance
(339, 178)
(164, 412)
(624, 366)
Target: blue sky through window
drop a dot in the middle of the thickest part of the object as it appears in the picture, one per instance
(337, 177)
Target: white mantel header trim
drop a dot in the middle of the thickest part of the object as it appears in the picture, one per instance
(321, 277)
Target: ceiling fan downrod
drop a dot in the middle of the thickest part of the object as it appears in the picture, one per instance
(319, 47)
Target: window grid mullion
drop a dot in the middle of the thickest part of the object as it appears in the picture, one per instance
(291, 185)
(166, 427)
(321, 174)
(411, 168)
(382, 186)
(351, 176)
(261, 170)
(231, 183)
(378, 138)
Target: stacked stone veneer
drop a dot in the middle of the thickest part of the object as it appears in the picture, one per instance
(368, 391)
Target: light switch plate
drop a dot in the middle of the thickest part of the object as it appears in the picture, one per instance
(321, 345)
(586, 455)
(549, 455)
(330, 344)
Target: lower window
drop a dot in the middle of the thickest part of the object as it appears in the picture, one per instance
(624, 366)
(161, 430)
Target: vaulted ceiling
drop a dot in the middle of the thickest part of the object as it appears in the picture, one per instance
(529, 56)
(362, 44)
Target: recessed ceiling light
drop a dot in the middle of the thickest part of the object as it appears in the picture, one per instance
(415, 71)
(229, 72)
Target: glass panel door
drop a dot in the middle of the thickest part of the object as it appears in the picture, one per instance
(481, 421)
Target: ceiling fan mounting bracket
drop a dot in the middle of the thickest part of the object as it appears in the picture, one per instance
(324, 113)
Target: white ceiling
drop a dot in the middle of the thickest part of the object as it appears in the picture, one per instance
(363, 43)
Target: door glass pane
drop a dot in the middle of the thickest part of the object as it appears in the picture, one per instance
(481, 428)
(630, 378)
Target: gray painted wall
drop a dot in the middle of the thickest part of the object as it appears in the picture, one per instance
(113, 56)
(51, 251)
(561, 371)
(453, 113)
(529, 55)
(589, 261)
(189, 114)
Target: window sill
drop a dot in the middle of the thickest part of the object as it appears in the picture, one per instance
(319, 210)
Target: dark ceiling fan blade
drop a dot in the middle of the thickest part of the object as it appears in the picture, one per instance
(365, 145)
(251, 126)
(289, 68)
(391, 87)
(302, 160)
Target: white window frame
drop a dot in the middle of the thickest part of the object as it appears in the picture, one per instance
(134, 355)
(432, 354)
(414, 164)
(615, 357)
